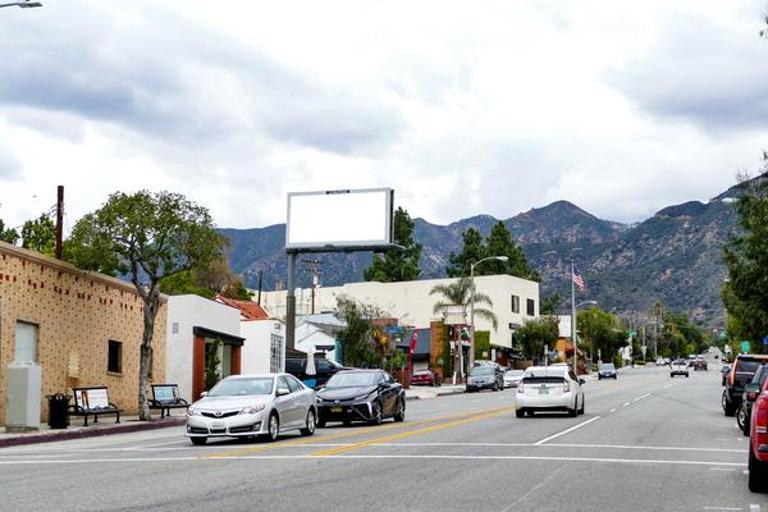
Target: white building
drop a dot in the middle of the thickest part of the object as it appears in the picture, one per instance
(514, 300)
(318, 334)
(264, 342)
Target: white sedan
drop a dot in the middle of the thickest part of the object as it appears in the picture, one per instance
(549, 388)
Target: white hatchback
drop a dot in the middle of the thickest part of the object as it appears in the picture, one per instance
(549, 388)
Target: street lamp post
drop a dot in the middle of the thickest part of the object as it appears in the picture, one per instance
(24, 4)
(472, 305)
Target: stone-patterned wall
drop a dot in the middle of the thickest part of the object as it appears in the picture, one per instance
(77, 313)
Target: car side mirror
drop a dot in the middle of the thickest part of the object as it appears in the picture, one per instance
(384, 385)
(582, 381)
(283, 391)
(752, 387)
(203, 394)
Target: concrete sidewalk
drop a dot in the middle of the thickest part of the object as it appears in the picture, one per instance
(424, 392)
(76, 430)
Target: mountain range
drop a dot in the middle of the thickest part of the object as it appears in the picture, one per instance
(674, 257)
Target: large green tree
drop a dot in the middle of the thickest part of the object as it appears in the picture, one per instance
(745, 294)
(39, 235)
(534, 334)
(398, 264)
(217, 279)
(473, 250)
(146, 236)
(599, 331)
(360, 340)
(8, 234)
(498, 243)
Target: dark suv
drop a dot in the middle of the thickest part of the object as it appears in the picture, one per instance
(751, 391)
(742, 371)
(324, 370)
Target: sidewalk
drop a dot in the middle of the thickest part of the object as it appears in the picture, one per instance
(424, 392)
(76, 430)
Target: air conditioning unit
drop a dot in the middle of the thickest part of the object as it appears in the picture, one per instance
(23, 397)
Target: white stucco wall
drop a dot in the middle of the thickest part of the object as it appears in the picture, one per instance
(184, 313)
(255, 356)
(412, 304)
(308, 335)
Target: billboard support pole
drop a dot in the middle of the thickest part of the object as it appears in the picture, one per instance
(290, 313)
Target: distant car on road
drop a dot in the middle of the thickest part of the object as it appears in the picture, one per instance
(699, 363)
(424, 378)
(512, 378)
(360, 395)
(549, 388)
(743, 370)
(253, 405)
(679, 367)
(751, 392)
(485, 377)
(607, 371)
(758, 443)
(663, 361)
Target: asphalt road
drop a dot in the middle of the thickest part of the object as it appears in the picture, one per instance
(646, 442)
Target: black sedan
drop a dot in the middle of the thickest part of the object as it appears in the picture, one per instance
(606, 371)
(360, 395)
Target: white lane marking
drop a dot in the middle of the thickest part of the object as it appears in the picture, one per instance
(722, 508)
(668, 386)
(566, 431)
(155, 445)
(612, 410)
(655, 448)
(626, 404)
(641, 397)
(722, 469)
(383, 457)
(754, 507)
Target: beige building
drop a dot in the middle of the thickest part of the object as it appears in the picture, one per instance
(82, 328)
(514, 301)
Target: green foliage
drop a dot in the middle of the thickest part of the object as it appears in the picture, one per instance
(535, 333)
(482, 344)
(397, 361)
(498, 243)
(446, 357)
(184, 283)
(361, 345)
(217, 279)
(397, 265)
(599, 330)
(39, 235)
(212, 364)
(459, 293)
(550, 305)
(8, 234)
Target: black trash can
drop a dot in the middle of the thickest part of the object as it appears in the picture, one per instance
(58, 410)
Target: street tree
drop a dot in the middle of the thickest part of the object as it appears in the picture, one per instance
(361, 341)
(459, 293)
(217, 279)
(398, 264)
(551, 304)
(500, 243)
(599, 331)
(146, 236)
(39, 235)
(8, 235)
(535, 334)
(473, 250)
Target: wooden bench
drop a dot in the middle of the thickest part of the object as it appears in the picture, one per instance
(166, 397)
(93, 401)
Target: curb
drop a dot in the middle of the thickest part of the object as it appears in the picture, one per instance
(64, 435)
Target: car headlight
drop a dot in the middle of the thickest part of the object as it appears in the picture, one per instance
(252, 410)
(192, 411)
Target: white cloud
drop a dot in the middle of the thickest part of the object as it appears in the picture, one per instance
(491, 108)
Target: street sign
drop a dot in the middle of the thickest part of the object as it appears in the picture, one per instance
(745, 347)
(765, 340)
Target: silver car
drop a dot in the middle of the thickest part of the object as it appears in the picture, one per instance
(253, 405)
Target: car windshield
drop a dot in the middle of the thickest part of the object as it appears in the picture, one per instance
(607, 366)
(747, 366)
(243, 386)
(341, 380)
(481, 370)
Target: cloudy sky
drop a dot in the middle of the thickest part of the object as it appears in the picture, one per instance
(462, 107)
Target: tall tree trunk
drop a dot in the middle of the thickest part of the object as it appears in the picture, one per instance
(151, 302)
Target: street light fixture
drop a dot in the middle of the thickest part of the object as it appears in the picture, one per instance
(24, 4)
(472, 305)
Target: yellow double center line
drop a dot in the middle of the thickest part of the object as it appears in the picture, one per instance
(452, 421)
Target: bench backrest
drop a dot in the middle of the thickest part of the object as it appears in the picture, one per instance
(93, 398)
(165, 393)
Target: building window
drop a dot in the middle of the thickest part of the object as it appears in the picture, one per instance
(275, 353)
(175, 328)
(515, 304)
(530, 307)
(115, 357)
(26, 343)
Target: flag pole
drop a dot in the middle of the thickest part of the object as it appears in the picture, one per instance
(573, 318)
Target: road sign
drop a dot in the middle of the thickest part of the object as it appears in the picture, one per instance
(745, 347)
(765, 340)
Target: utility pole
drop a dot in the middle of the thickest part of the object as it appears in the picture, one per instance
(59, 219)
(313, 265)
(261, 276)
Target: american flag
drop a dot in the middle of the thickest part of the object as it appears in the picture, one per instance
(577, 280)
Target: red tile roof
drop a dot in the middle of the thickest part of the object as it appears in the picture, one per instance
(249, 310)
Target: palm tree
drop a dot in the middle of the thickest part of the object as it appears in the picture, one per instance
(459, 293)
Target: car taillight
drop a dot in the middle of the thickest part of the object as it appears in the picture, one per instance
(751, 396)
(521, 387)
(761, 421)
(566, 387)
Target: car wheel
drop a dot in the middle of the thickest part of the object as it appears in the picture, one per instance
(400, 412)
(199, 441)
(273, 427)
(672, 375)
(728, 409)
(575, 411)
(320, 422)
(581, 411)
(520, 413)
(309, 429)
(376, 417)
(758, 474)
(529, 413)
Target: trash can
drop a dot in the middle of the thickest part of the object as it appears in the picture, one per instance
(58, 410)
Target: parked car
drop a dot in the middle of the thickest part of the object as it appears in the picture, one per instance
(512, 378)
(607, 371)
(751, 392)
(663, 361)
(324, 370)
(679, 367)
(424, 378)
(485, 377)
(361, 395)
(699, 363)
(758, 443)
(549, 388)
(742, 371)
(253, 405)
(724, 372)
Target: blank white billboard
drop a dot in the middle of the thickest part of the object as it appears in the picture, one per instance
(343, 219)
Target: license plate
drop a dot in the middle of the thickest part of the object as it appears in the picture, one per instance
(543, 391)
(217, 425)
(337, 409)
